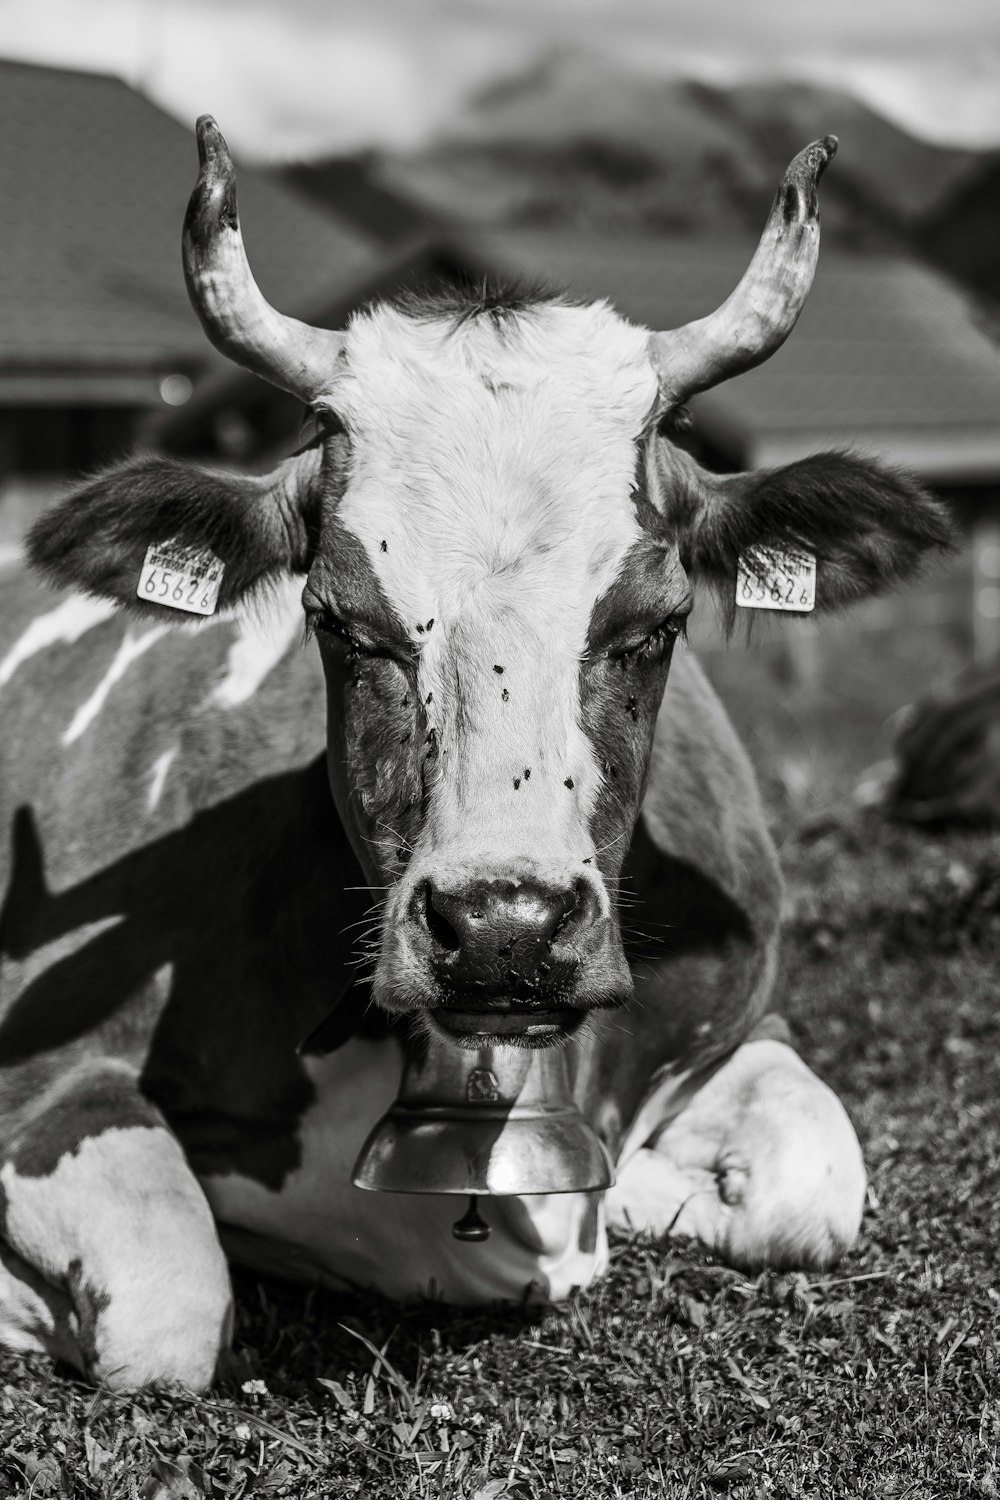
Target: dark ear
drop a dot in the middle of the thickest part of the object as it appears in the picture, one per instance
(257, 526)
(868, 526)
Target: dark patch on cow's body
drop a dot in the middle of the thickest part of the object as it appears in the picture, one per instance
(698, 960)
(343, 581)
(89, 1302)
(103, 1099)
(26, 892)
(690, 912)
(374, 707)
(622, 678)
(354, 1015)
(247, 905)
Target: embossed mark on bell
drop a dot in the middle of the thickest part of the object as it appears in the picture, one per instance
(482, 1087)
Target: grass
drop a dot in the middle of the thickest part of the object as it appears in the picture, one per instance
(676, 1376)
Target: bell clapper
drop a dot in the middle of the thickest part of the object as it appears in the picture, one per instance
(471, 1226)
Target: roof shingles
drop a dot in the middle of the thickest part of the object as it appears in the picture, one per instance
(887, 352)
(94, 181)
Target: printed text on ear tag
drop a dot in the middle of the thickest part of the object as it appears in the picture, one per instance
(181, 577)
(772, 578)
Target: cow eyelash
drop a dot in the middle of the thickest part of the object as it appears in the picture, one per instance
(668, 630)
(328, 423)
(324, 622)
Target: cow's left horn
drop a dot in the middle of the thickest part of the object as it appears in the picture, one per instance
(759, 315)
(234, 312)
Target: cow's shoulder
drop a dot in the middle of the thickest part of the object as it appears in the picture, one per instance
(702, 805)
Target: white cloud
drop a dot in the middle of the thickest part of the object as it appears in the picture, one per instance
(303, 76)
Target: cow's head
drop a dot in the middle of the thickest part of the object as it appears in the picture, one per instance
(499, 542)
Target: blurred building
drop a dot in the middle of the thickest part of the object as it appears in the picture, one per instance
(96, 332)
(888, 355)
(963, 233)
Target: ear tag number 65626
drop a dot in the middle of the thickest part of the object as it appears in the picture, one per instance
(181, 577)
(769, 578)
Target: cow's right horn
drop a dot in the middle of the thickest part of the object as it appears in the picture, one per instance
(758, 316)
(234, 312)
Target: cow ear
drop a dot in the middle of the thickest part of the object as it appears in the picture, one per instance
(257, 526)
(867, 525)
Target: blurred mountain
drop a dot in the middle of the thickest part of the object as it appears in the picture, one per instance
(576, 142)
(962, 234)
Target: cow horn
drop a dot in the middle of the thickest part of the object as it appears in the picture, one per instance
(233, 311)
(759, 315)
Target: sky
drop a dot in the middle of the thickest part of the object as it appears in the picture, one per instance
(300, 78)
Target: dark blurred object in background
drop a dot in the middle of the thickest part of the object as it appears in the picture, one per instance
(948, 755)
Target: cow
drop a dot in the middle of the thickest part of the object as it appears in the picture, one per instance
(423, 687)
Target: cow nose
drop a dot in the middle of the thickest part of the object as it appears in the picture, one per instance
(491, 928)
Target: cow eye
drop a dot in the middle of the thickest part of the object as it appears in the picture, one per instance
(325, 623)
(327, 421)
(657, 640)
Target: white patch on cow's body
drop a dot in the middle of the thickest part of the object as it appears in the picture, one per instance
(35, 1317)
(158, 776)
(762, 1165)
(129, 650)
(265, 637)
(320, 1227)
(496, 460)
(60, 626)
(125, 1211)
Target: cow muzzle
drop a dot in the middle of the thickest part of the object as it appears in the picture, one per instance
(515, 958)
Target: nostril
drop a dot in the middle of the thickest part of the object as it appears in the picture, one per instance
(580, 911)
(586, 898)
(438, 926)
(567, 916)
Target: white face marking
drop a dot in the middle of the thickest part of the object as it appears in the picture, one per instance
(129, 650)
(158, 776)
(496, 461)
(63, 625)
(265, 637)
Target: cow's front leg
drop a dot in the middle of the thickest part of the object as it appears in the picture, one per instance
(762, 1165)
(111, 1257)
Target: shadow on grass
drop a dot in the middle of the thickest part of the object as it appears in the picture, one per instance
(292, 1335)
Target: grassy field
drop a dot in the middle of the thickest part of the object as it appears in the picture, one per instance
(677, 1376)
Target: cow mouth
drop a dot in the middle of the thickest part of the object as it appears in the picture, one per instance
(531, 1024)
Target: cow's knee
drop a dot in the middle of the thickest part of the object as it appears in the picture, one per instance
(763, 1166)
(111, 1215)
